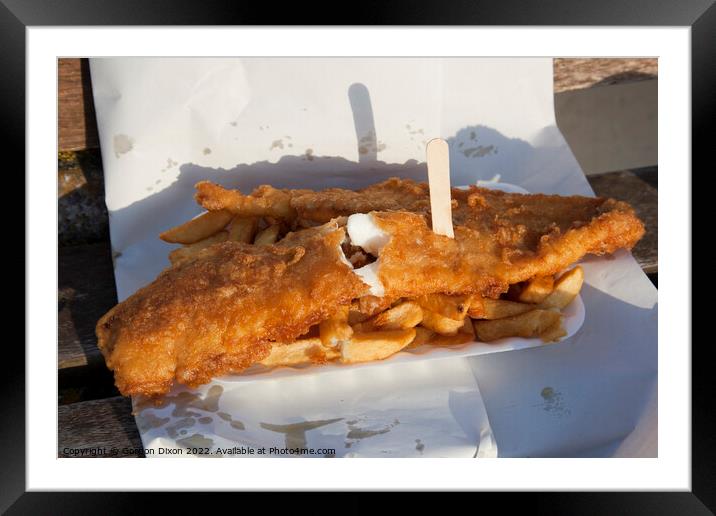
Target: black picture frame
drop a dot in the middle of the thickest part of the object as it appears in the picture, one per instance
(700, 15)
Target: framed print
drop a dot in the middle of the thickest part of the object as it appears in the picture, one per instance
(193, 146)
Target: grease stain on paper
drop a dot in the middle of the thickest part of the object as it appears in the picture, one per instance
(189, 407)
(122, 144)
(361, 433)
(184, 401)
(370, 144)
(196, 441)
(170, 163)
(356, 433)
(295, 433)
(413, 133)
(148, 420)
(554, 402)
(479, 151)
(235, 423)
(173, 429)
(143, 402)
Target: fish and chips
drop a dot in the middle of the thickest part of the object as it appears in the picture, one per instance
(293, 277)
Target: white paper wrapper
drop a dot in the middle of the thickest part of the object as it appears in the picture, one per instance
(165, 124)
(421, 409)
(583, 396)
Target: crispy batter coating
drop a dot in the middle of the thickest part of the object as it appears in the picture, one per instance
(504, 239)
(220, 312)
(514, 220)
(391, 195)
(264, 201)
(317, 207)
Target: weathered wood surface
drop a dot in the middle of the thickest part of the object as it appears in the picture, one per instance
(98, 428)
(638, 188)
(574, 74)
(77, 125)
(81, 209)
(86, 290)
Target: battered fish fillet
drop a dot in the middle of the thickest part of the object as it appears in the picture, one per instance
(500, 238)
(220, 312)
(224, 310)
(394, 194)
(491, 252)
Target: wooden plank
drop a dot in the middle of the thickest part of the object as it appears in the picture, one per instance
(81, 209)
(86, 290)
(97, 428)
(638, 188)
(77, 124)
(574, 74)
